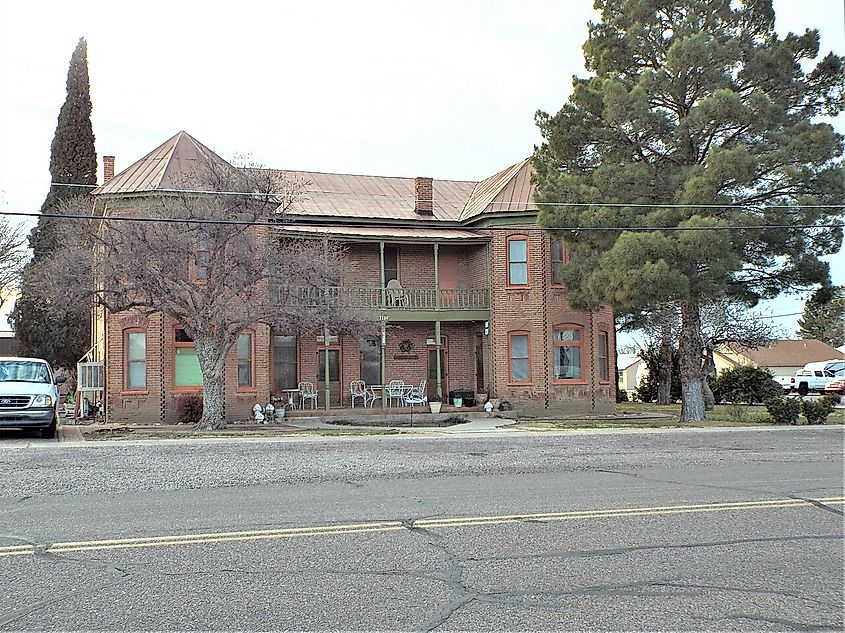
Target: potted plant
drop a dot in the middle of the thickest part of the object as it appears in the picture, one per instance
(435, 404)
(481, 398)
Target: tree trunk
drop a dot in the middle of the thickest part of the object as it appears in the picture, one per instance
(211, 353)
(689, 350)
(709, 372)
(664, 378)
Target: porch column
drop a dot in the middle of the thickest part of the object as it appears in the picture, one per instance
(381, 277)
(436, 279)
(382, 344)
(437, 347)
(326, 365)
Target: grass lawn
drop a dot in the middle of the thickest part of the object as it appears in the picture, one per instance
(723, 415)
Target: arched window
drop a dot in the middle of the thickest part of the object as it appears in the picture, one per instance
(566, 354)
(559, 256)
(135, 359)
(519, 365)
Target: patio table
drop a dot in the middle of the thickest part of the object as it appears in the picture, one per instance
(291, 403)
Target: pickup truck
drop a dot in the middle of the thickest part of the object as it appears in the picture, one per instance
(29, 397)
(807, 380)
(787, 383)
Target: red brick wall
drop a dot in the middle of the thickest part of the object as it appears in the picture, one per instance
(536, 309)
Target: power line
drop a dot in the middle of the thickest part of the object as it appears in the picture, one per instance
(524, 206)
(436, 225)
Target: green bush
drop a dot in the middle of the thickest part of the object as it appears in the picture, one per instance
(646, 391)
(745, 384)
(816, 412)
(189, 409)
(784, 410)
(621, 395)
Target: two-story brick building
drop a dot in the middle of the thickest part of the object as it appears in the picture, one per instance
(466, 284)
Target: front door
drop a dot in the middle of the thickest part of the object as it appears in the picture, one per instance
(431, 385)
(479, 364)
(334, 377)
(448, 268)
(370, 361)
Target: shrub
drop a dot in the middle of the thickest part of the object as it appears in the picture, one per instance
(189, 409)
(745, 384)
(816, 412)
(621, 395)
(646, 391)
(784, 410)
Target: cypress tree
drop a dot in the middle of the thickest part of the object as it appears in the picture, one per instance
(61, 338)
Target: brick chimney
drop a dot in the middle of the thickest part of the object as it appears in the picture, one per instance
(424, 195)
(108, 168)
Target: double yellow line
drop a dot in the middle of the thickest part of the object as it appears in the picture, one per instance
(388, 526)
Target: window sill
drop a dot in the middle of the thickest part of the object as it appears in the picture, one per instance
(134, 392)
(246, 391)
(524, 287)
(569, 381)
(197, 389)
(520, 384)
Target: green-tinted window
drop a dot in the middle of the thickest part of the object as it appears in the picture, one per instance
(187, 368)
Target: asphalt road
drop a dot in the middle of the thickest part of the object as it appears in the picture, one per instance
(670, 530)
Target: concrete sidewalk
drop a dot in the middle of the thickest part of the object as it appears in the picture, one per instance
(476, 423)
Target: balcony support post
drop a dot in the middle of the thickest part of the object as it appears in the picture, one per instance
(439, 359)
(382, 345)
(381, 274)
(326, 343)
(436, 279)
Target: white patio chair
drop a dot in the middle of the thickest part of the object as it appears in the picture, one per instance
(395, 391)
(307, 392)
(395, 294)
(417, 396)
(358, 389)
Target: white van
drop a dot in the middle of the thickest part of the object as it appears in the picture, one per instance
(29, 395)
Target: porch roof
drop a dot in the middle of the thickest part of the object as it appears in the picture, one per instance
(380, 233)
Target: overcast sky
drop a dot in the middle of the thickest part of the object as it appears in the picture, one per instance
(401, 88)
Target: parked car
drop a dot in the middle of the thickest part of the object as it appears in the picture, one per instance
(29, 395)
(835, 387)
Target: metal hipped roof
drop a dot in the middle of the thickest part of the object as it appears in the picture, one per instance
(509, 190)
(374, 197)
(176, 163)
(383, 233)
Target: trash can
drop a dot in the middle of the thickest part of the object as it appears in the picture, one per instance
(466, 397)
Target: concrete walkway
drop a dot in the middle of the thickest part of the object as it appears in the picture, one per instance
(477, 423)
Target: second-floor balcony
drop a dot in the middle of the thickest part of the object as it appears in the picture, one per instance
(407, 303)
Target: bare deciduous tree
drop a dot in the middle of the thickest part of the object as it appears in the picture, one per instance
(207, 260)
(13, 256)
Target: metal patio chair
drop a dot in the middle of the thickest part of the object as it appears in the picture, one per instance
(395, 391)
(417, 396)
(307, 392)
(358, 389)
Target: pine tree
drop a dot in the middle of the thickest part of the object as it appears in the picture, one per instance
(698, 104)
(61, 338)
(824, 316)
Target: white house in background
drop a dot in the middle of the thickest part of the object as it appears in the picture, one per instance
(841, 348)
(7, 334)
(630, 369)
(783, 357)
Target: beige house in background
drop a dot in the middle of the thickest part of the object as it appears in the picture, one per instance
(630, 369)
(782, 357)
